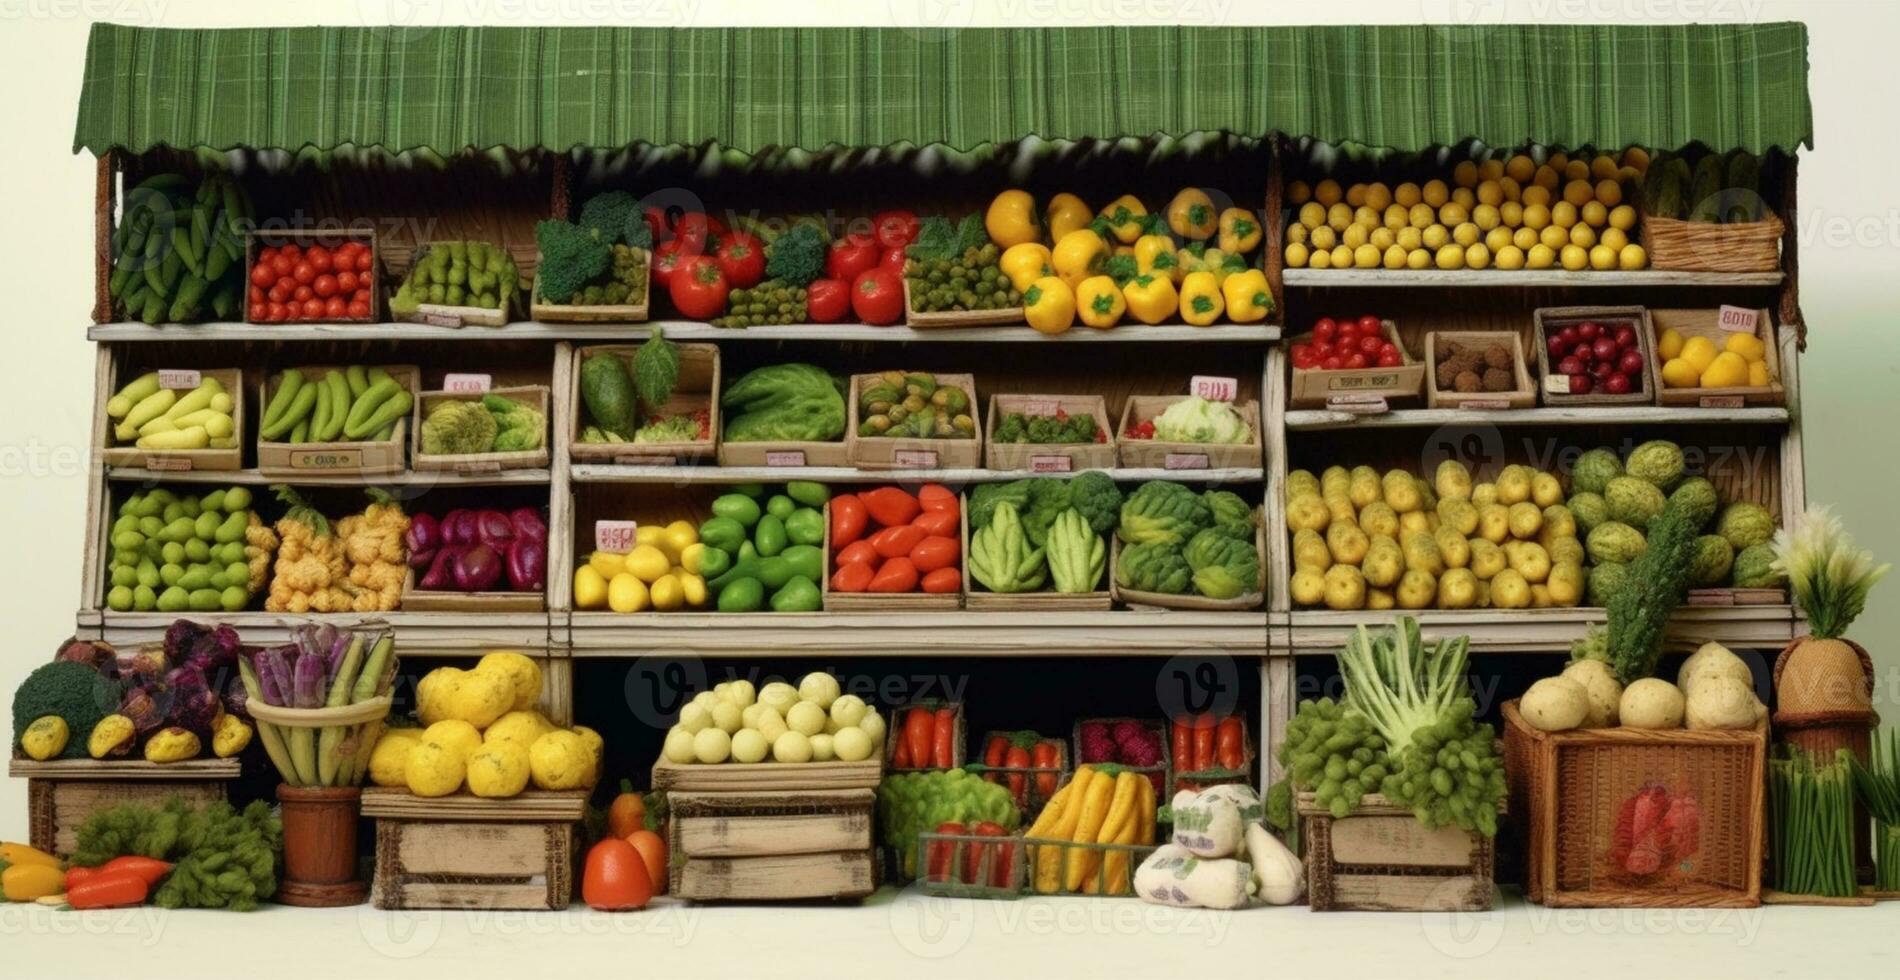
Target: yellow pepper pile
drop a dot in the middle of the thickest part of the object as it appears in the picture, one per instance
(1100, 805)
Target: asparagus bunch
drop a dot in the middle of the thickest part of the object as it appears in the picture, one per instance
(321, 667)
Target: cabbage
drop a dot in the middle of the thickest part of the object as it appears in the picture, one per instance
(1195, 419)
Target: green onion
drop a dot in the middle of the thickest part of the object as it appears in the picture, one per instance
(1812, 836)
(1879, 788)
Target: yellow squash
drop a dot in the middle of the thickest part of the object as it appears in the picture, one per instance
(1248, 298)
(1025, 263)
(1191, 214)
(1099, 302)
(1154, 256)
(31, 882)
(1049, 305)
(1125, 217)
(1065, 213)
(1201, 302)
(1012, 219)
(1239, 231)
(1079, 255)
(1151, 299)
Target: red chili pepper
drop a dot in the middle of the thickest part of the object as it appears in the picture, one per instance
(150, 869)
(919, 726)
(1018, 758)
(108, 891)
(973, 852)
(937, 860)
(1230, 743)
(1048, 755)
(1203, 743)
(944, 741)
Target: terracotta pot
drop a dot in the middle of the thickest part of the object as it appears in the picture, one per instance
(320, 846)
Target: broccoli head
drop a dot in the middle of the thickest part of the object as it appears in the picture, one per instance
(571, 257)
(798, 256)
(984, 499)
(618, 217)
(1099, 500)
(518, 427)
(1162, 513)
(459, 428)
(70, 691)
(1048, 498)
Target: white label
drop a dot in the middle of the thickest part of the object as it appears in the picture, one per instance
(1737, 319)
(915, 459)
(1214, 389)
(467, 384)
(168, 464)
(1484, 404)
(1556, 384)
(1722, 401)
(785, 457)
(480, 466)
(326, 459)
(1185, 461)
(179, 378)
(441, 319)
(1040, 407)
(1050, 464)
(616, 537)
(1358, 404)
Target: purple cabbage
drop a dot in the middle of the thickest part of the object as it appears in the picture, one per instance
(214, 650)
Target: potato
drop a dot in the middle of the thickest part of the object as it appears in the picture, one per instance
(1525, 520)
(1546, 491)
(1651, 703)
(1421, 553)
(1452, 480)
(1484, 493)
(1540, 596)
(1307, 512)
(1427, 497)
(1484, 594)
(1712, 660)
(1415, 522)
(1300, 482)
(1384, 563)
(1509, 590)
(1381, 599)
(1453, 549)
(1458, 514)
(1719, 702)
(1418, 589)
(1487, 559)
(1379, 518)
(1564, 550)
(1307, 586)
(1529, 560)
(1558, 523)
(1310, 550)
(1364, 487)
(1555, 704)
(1514, 485)
(1334, 480)
(1566, 583)
(1604, 691)
(1341, 508)
(1458, 589)
(1347, 543)
(1345, 588)
(1494, 523)
(1401, 491)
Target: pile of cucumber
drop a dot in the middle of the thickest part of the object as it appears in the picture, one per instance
(353, 404)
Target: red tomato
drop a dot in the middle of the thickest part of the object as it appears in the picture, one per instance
(897, 575)
(1332, 363)
(934, 552)
(934, 522)
(895, 228)
(359, 310)
(858, 552)
(279, 292)
(276, 312)
(888, 506)
(667, 258)
(1370, 344)
(319, 258)
(877, 294)
(324, 285)
(855, 577)
(258, 296)
(893, 542)
(851, 255)
(363, 263)
(936, 496)
(893, 260)
(362, 295)
(615, 878)
(828, 300)
(262, 274)
(699, 289)
(1324, 328)
(282, 264)
(943, 580)
(657, 224)
(346, 281)
(1356, 362)
(303, 272)
(1370, 324)
(697, 232)
(290, 251)
(335, 309)
(1390, 359)
(742, 258)
(312, 308)
(303, 294)
(847, 519)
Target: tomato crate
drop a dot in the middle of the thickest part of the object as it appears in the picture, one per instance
(900, 717)
(1321, 388)
(972, 865)
(364, 277)
(1161, 775)
(1379, 858)
(1038, 782)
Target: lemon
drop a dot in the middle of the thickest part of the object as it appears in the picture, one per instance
(1435, 237)
(389, 760)
(851, 744)
(1603, 166)
(1602, 258)
(1574, 257)
(1555, 236)
(1342, 257)
(523, 727)
(1339, 216)
(1365, 215)
(1327, 192)
(1410, 238)
(1464, 198)
(1536, 216)
(1511, 188)
(561, 760)
(1394, 257)
(1524, 238)
(433, 693)
(1594, 214)
(1577, 170)
(1298, 192)
(1407, 194)
(1582, 235)
(1383, 238)
(1637, 157)
(1435, 193)
(1510, 258)
(1366, 256)
(693, 587)
(1451, 257)
(1616, 238)
(480, 697)
(1746, 344)
(590, 588)
(1320, 259)
(1669, 344)
(1700, 352)
(1623, 217)
(1540, 256)
(1356, 195)
(792, 746)
(821, 748)
(1758, 376)
(1728, 370)
(749, 746)
(1535, 194)
(678, 537)
(1465, 234)
(1295, 232)
(651, 534)
(1295, 259)
(1510, 214)
(1477, 256)
(1609, 193)
(647, 562)
(498, 771)
(523, 674)
(1312, 214)
(1397, 216)
(667, 593)
(1378, 196)
(1632, 257)
(1453, 214)
(711, 745)
(626, 594)
(1422, 216)
(1323, 239)
(607, 563)
(1497, 238)
(1491, 192)
(454, 734)
(728, 717)
(1577, 192)
(1486, 217)
(1520, 167)
(1354, 236)
(1418, 259)
(678, 747)
(1563, 214)
(1547, 177)
(435, 769)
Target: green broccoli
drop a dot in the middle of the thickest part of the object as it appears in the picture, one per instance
(69, 690)
(1048, 498)
(518, 427)
(798, 256)
(618, 217)
(984, 500)
(459, 428)
(1099, 500)
(571, 257)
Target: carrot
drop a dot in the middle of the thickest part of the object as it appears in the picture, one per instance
(1229, 743)
(108, 891)
(919, 727)
(151, 870)
(1047, 756)
(993, 756)
(1203, 743)
(945, 736)
(1018, 758)
(1181, 744)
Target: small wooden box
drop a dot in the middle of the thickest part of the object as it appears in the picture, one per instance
(771, 846)
(1707, 323)
(1188, 600)
(448, 600)
(907, 453)
(1046, 600)
(885, 602)
(533, 396)
(1314, 387)
(256, 241)
(776, 454)
(113, 453)
(62, 793)
(1523, 393)
(362, 458)
(697, 388)
(614, 313)
(1050, 457)
(465, 852)
(958, 318)
(1554, 318)
(1156, 454)
(1216, 775)
(443, 315)
(768, 777)
(1034, 799)
(959, 736)
(1380, 858)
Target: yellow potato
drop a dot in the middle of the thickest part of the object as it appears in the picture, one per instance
(1347, 543)
(1458, 514)
(1421, 554)
(1452, 547)
(1365, 487)
(1458, 589)
(1484, 493)
(1524, 519)
(1378, 518)
(1300, 482)
(1494, 523)
(1307, 512)
(1345, 588)
(1510, 591)
(1452, 480)
(1310, 550)
(1307, 587)
(1529, 559)
(1514, 485)
(1564, 549)
(1417, 590)
(1341, 507)
(1566, 583)
(1384, 562)
(1558, 523)
(1487, 559)
(1415, 522)
(1335, 480)
(1381, 599)
(1546, 491)
(1401, 491)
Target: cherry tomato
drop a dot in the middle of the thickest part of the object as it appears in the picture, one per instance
(278, 293)
(290, 250)
(893, 542)
(943, 580)
(855, 577)
(335, 309)
(1390, 359)
(324, 285)
(312, 309)
(302, 294)
(856, 553)
(935, 552)
(359, 311)
(1370, 344)
(319, 258)
(1370, 324)
(262, 274)
(258, 296)
(303, 272)
(282, 264)
(362, 296)
(1332, 363)
(1324, 328)
(1356, 362)
(363, 261)
(346, 281)
(276, 312)
(897, 575)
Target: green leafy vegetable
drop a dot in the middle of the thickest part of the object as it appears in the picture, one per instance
(619, 217)
(798, 256)
(656, 369)
(1657, 582)
(223, 859)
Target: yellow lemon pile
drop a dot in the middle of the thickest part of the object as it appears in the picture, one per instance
(661, 573)
(1697, 362)
(1567, 212)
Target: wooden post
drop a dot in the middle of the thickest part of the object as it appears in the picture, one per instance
(1790, 306)
(105, 198)
(1276, 226)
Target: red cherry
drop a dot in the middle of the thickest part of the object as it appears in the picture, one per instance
(1625, 335)
(1370, 345)
(1559, 348)
(1570, 365)
(1589, 330)
(1580, 384)
(1617, 384)
(1582, 352)
(1370, 324)
(1602, 370)
(1605, 349)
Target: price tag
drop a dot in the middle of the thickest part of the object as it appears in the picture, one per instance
(482, 466)
(1721, 401)
(327, 459)
(1214, 389)
(1358, 404)
(1041, 406)
(1184, 461)
(1050, 464)
(179, 378)
(1556, 384)
(1737, 319)
(467, 384)
(168, 464)
(615, 537)
(1484, 404)
(637, 460)
(442, 320)
(785, 457)
(915, 459)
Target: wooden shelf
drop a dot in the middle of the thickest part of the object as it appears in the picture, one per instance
(679, 330)
(1560, 278)
(1131, 633)
(1323, 632)
(420, 634)
(1312, 419)
(407, 478)
(682, 475)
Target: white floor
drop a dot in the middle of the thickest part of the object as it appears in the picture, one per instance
(905, 936)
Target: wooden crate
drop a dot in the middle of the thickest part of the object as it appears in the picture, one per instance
(958, 318)
(448, 600)
(1162, 776)
(906, 453)
(336, 458)
(768, 777)
(1568, 788)
(793, 453)
(775, 845)
(114, 453)
(1380, 858)
(256, 240)
(1050, 458)
(536, 397)
(1156, 454)
(1215, 775)
(1523, 395)
(1163, 600)
(1552, 318)
(1708, 323)
(959, 736)
(1034, 798)
(62, 793)
(465, 852)
(613, 313)
(1316, 388)
(1047, 600)
(696, 389)
(443, 315)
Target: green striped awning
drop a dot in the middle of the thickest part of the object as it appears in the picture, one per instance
(1402, 87)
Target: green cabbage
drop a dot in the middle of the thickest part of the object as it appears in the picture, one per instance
(1195, 419)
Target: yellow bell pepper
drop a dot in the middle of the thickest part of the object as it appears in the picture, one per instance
(1012, 219)
(1201, 302)
(1099, 302)
(1239, 231)
(1154, 256)
(1065, 213)
(1123, 216)
(1151, 299)
(1222, 264)
(1191, 257)
(1049, 305)
(1248, 298)
(1024, 263)
(1078, 256)
(1191, 214)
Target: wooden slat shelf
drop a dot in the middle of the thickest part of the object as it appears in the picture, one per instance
(681, 475)
(417, 633)
(1313, 419)
(1097, 634)
(408, 478)
(1561, 278)
(679, 330)
(1323, 632)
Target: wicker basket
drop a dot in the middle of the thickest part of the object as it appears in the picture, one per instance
(1821, 733)
(1701, 246)
(1568, 789)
